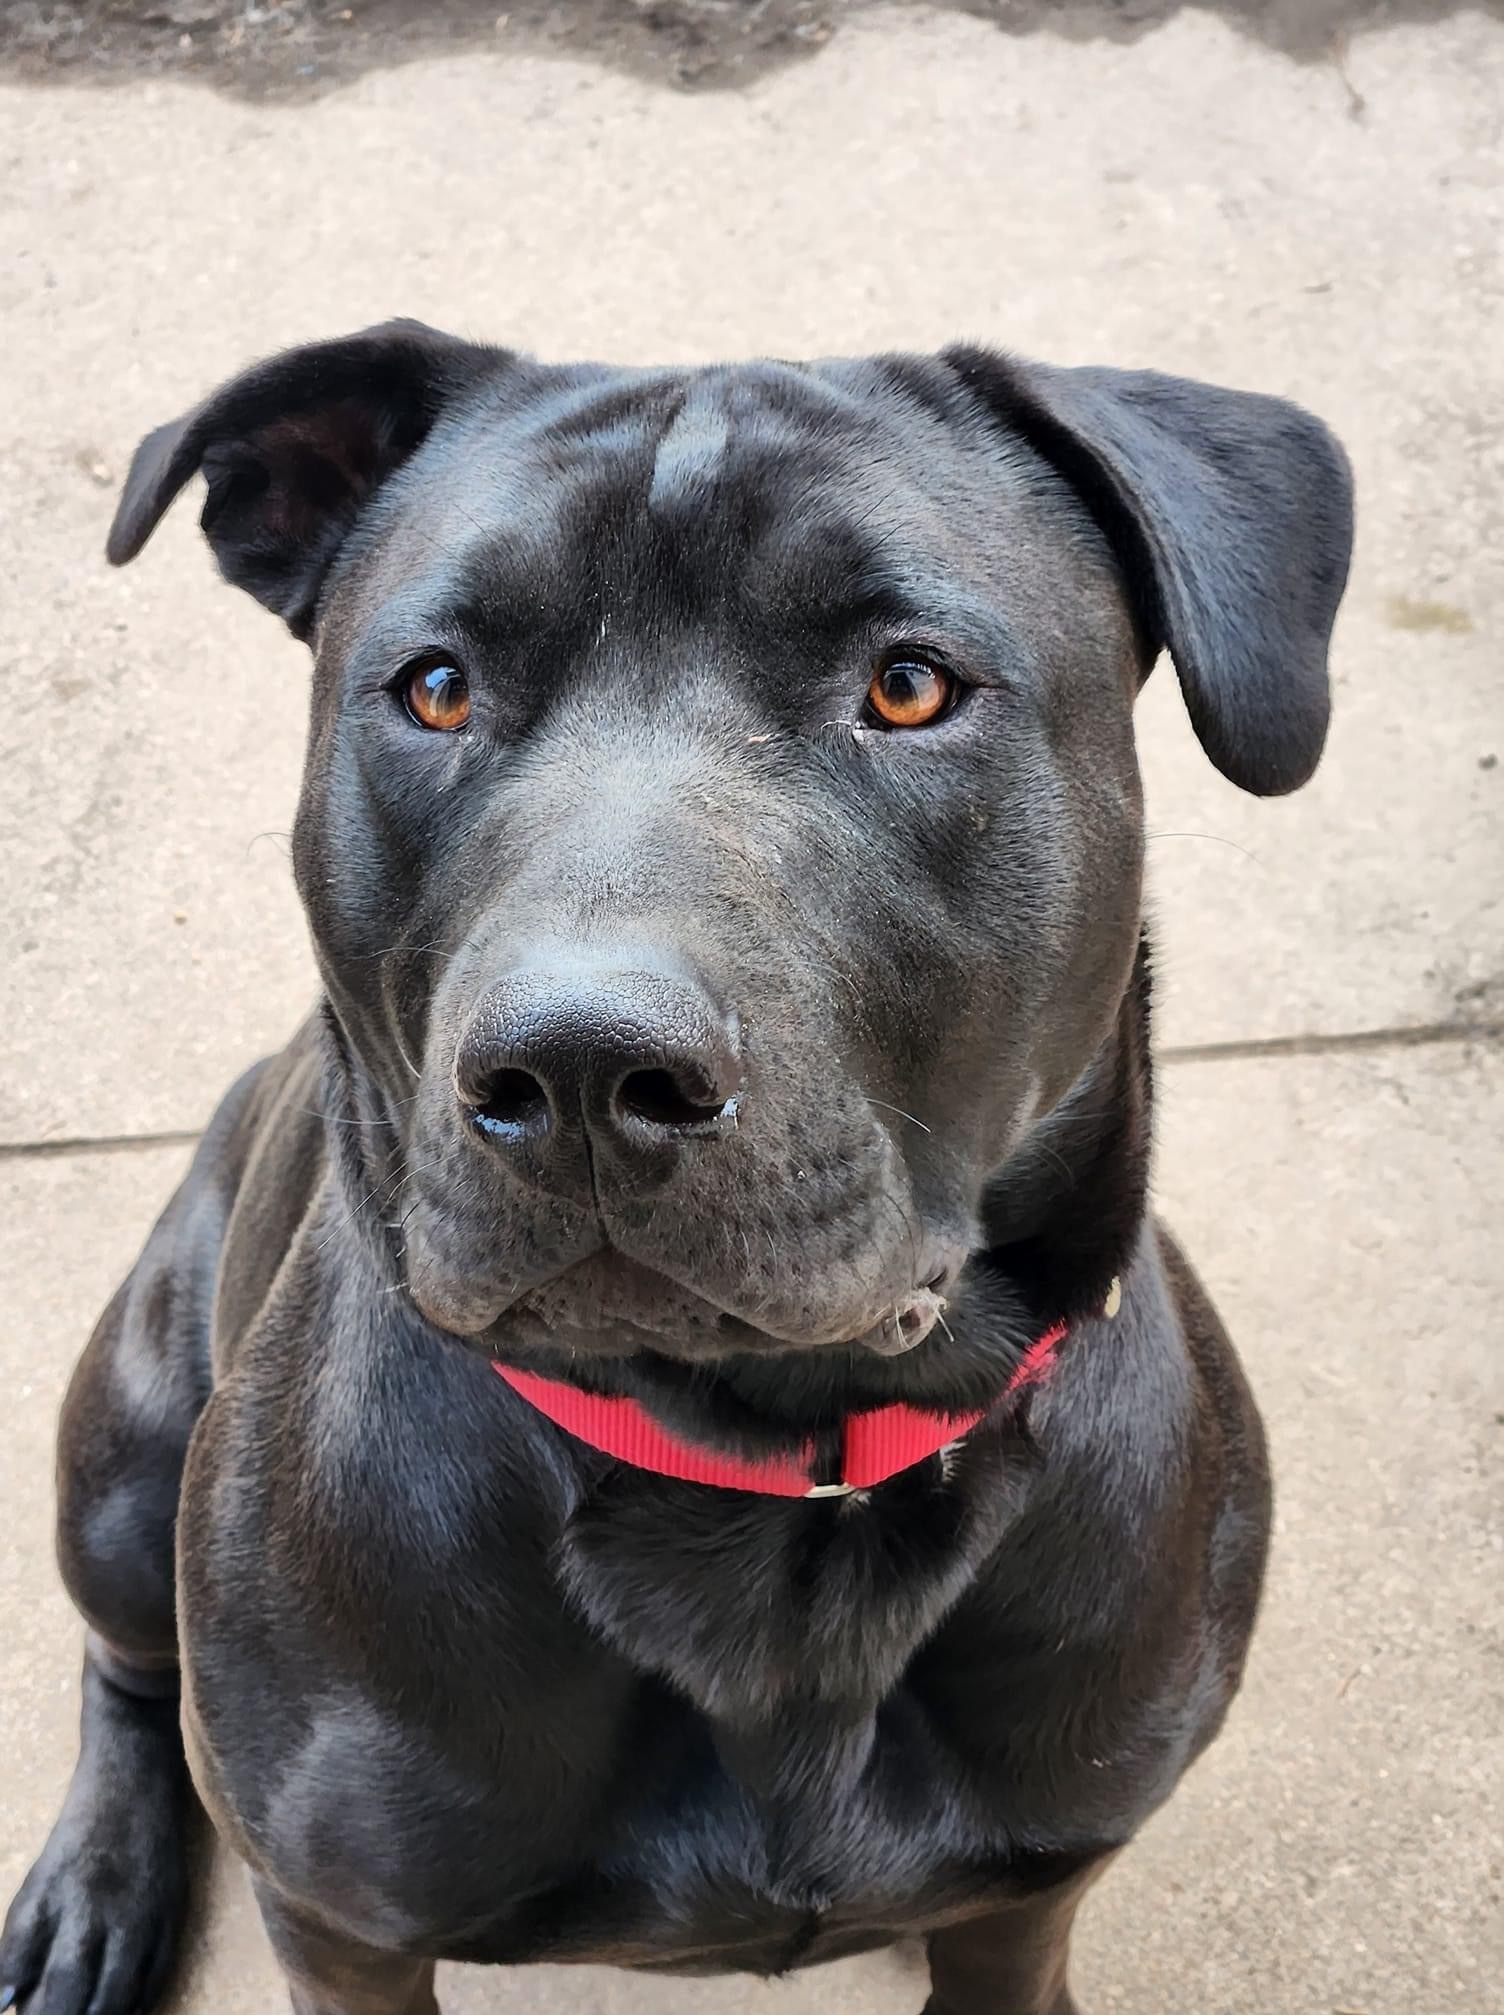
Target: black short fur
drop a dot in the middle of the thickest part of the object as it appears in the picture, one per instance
(454, 1684)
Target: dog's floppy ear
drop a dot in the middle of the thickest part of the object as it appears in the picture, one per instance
(291, 450)
(1231, 514)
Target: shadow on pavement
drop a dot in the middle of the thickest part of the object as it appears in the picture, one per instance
(292, 48)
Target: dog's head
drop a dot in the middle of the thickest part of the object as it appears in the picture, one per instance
(721, 831)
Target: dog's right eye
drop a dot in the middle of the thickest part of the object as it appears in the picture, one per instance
(910, 692)
(437, 696)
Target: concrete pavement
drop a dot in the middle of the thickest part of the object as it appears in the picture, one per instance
(1332, 975)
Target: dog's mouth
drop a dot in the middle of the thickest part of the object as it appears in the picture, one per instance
(809, 1240)
(610, 1305)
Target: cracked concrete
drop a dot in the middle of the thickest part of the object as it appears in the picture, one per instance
(1177, 192)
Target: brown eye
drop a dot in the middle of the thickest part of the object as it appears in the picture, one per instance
(909, 693)
(438, 697)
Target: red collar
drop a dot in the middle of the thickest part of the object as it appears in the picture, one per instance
(874, 1446)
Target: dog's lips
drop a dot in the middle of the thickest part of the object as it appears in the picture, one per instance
(609, 1286)
(462, 1309)
(905, 1325)
(612, 1296)
(576, 1288)
(612, 1305)
(454, 1297)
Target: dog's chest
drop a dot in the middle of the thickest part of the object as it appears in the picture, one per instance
(723, 1767)
(756, 1846)
(673, 1727)
(789, 1787)
(768, 1613)
(660, 1839)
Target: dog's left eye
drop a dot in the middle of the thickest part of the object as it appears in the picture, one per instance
(910, 692)
(437, 697)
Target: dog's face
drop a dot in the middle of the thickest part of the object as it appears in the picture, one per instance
(721, 830)
(685, 619)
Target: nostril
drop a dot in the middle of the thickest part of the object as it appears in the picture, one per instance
(515, 1102)
(657, 1097)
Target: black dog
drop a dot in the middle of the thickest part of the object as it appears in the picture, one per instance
(721, 838)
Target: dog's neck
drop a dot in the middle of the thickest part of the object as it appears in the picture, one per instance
(1061, 1219)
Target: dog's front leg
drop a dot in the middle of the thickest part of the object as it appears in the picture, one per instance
(331, 1975)
(1012, 1961)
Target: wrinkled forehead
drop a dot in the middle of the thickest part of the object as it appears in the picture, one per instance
(764, 493)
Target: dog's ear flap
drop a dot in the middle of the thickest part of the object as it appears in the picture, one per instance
(1231, 514)
(291, 450)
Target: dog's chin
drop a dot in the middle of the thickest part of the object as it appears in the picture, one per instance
(609, 1306)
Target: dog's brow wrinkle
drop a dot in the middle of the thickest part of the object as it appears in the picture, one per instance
(690, 453)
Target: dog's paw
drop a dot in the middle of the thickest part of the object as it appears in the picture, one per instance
(88, 1932)
(95, 1926)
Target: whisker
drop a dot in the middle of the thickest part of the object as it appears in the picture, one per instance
(387, 1183)
(906, 1220)
(899, 1110)
(272, 834)
(333, 1119)
(1221, 840)
(1043, 1147)
(387, 951)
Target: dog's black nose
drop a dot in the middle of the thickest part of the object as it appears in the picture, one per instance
(639, 1060)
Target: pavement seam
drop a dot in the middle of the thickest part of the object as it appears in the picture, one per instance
(1422, 1035)
(104, 1143)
